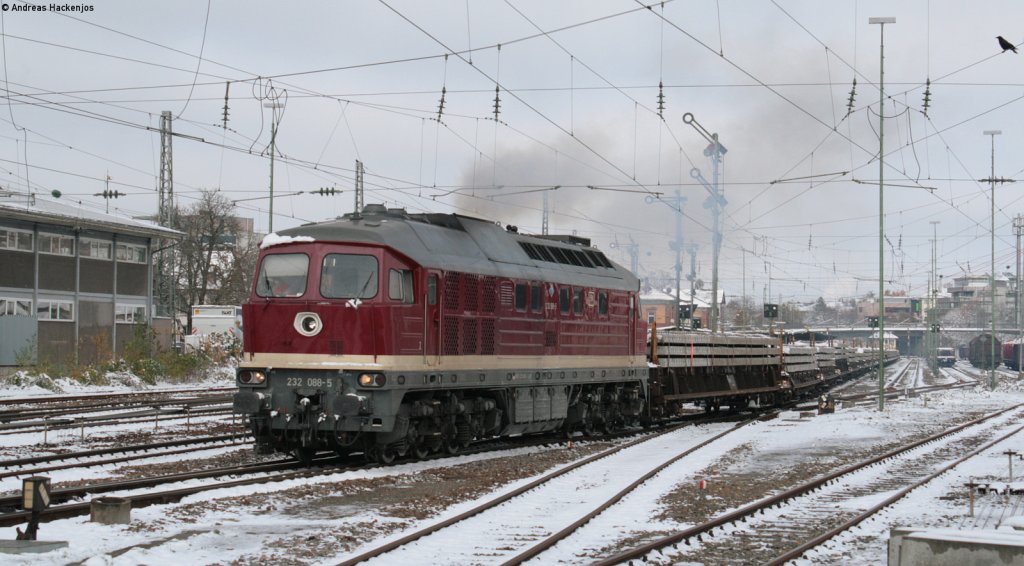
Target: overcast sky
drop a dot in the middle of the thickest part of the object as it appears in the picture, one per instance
(578, 106)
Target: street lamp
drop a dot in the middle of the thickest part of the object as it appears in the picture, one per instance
(881, 209)
(992, 276)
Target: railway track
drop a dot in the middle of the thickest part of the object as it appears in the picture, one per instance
(153, 414)
(522, 515)
(783, 526)
(23, 414)
(82, 459)
(286, 468)
(107, 397)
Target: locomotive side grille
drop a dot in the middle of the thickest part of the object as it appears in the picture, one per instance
(452, 296)
(470, 292)
(469, 338)
(487, 337)
(451, 336)
(489, 296)
(550, 339)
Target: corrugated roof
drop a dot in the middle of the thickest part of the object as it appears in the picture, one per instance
(36, 209)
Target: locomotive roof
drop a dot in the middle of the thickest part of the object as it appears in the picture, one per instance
(453, 242)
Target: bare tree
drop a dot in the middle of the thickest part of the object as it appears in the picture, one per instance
(215, 255)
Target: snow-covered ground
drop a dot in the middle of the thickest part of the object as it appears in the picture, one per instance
(256, 524)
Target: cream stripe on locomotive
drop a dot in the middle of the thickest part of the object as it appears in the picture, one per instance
(280, 361)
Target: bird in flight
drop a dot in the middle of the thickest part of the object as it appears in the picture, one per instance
(1005, 44)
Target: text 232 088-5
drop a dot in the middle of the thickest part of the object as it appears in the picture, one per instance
(318, 382)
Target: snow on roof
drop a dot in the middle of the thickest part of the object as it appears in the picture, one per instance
(274, 239)
(36, 209)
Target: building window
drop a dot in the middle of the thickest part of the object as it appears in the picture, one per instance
(131, 253)
(130, 313)
(15, 307)
(651, 315)
(96, 249)
(19, 240)
(55, 310)
(56, 245)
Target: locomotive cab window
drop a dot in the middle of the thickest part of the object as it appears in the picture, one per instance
(349, 276)
(520, 296)
(400, 285)
(432, 290)
(282, 275)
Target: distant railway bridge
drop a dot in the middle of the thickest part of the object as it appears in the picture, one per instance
(909, 339)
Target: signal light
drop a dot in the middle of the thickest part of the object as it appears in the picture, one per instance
(250, 377)
(372, 380)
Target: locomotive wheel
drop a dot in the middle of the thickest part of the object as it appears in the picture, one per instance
(420, 450)
(450, 445)
(305, 455)
(385, 455)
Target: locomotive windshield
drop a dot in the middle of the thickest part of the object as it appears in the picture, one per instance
(282, 275)
(348, 276)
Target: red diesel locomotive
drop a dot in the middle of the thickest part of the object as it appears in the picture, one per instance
(391, 333)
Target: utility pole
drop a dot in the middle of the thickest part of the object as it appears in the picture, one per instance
(165, 279)
(277, 111)
(692, 277)
(1018, 230)
(546, 217)
(633, 249)
(881, 208)
(676, 245)
(716, 202)
(358, 187)
(992, 276)
(933, 294)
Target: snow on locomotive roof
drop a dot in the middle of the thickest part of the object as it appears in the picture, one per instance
(275, 239)
(462, 243)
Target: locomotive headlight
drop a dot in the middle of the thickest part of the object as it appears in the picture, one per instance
(372, 380)
(250, 377)
(308, 323)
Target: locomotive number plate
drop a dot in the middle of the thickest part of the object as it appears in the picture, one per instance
(317, 382)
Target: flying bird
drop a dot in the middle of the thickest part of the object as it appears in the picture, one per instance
(1005, 44)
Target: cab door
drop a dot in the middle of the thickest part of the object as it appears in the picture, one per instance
(432, 318)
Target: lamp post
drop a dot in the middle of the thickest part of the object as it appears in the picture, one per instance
(992, 276)
(881, 209)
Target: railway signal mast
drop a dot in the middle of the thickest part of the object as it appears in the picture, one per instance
(716, 202)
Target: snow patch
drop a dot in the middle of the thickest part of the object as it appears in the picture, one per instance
(274, 239)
